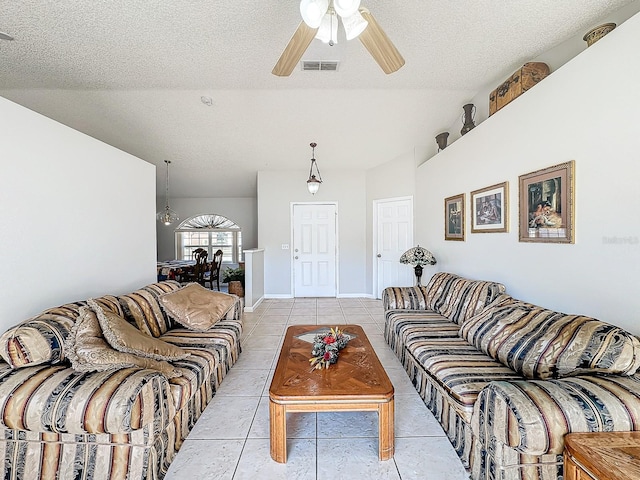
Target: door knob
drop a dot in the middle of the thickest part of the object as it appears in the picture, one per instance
(379, 256)
(296, 257)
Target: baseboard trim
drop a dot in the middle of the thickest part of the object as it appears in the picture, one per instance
(355, 295)
(254, 306)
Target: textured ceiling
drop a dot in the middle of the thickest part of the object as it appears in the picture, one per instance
(131, 73)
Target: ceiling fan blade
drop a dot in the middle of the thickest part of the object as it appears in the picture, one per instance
(379, 45)
(294, 50)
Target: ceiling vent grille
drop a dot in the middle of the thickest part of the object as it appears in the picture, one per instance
(319, 66)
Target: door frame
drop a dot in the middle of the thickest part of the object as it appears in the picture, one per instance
(291, 242)
(375, 235)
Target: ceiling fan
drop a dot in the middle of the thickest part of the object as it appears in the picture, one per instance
(320, 20)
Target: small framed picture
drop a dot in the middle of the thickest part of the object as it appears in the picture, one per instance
(489, 209)
(454, 217)
(547, 202)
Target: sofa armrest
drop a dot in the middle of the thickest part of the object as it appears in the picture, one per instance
(58, 399)
(404, 298)
(533, 417)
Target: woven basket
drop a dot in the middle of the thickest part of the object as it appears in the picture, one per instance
(235, 288)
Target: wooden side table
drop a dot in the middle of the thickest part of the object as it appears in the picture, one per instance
(602, 456)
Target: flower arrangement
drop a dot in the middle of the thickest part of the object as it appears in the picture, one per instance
(326, 347)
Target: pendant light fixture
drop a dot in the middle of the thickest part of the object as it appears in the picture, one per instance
(313, 184)
(167, 216)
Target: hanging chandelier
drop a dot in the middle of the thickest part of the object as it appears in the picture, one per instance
(323, 15)
(167, 216)
(313, 184)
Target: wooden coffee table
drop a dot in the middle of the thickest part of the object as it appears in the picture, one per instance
(357, 382)
(602, 456)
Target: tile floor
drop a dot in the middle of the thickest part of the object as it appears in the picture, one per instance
(231, 439)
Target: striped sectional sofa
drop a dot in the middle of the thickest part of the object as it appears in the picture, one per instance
(58, 423)
(507, 379)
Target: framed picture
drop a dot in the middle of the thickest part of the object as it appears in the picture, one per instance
(489, 212)
(454, 217)
(547, 204)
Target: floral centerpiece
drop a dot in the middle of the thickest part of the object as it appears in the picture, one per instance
(326, 347)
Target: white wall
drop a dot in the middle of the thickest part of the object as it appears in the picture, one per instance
(585, 111)
(389, 180)
(277, 190)
(78, 216)
(242, 211)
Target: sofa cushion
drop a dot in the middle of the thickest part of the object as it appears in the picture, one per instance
(196, 307)
(124, 337)
(541, 343)
(41, 339)
(458, 298)
(88, 350)
(458, 369)
(142, 308)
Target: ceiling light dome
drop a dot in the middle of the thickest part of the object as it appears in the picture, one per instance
(354, 25)
(346, 8)
(328, 31)
(312, 11)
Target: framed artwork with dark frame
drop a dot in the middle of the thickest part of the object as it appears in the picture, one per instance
(547, 203)
(454, 217)
(489, 209)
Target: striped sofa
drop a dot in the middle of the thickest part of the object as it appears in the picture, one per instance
(507, 379)
(58, 423)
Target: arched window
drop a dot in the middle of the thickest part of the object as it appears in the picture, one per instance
(211, 232)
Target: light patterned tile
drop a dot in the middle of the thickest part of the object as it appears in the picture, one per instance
(413, 418)
(281, 312)
(299, 425)
(253, 359)
(428, 458)
(256, 462)
(356, 458)
(226, 418)
(261, 342)
(218, 464)
(347, 424)
(246, 383)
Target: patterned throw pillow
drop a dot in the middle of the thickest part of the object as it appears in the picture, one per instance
(124, 337)
(143, 310)
(540, 343)
(88, 350)
(458, 298)
(41, 339)
(196, 307)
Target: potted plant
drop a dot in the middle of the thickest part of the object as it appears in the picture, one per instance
(234, 277)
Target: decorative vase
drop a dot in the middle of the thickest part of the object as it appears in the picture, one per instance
(595, 34)
(236, 288)
(441, 140)
(468, 117)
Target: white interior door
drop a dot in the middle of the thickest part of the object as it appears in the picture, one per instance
(314, 250)
(394, 236)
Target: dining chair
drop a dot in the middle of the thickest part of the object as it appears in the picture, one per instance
(214, 271)
(196, 273)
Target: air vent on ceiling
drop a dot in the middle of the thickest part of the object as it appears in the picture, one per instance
(319, 66)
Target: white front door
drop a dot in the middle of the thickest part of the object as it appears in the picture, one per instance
(314, 250)
(394, 236)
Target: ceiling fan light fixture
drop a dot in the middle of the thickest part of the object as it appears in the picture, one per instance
(328, 31)
(313, 11)
(346, 8)
(354, 25)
